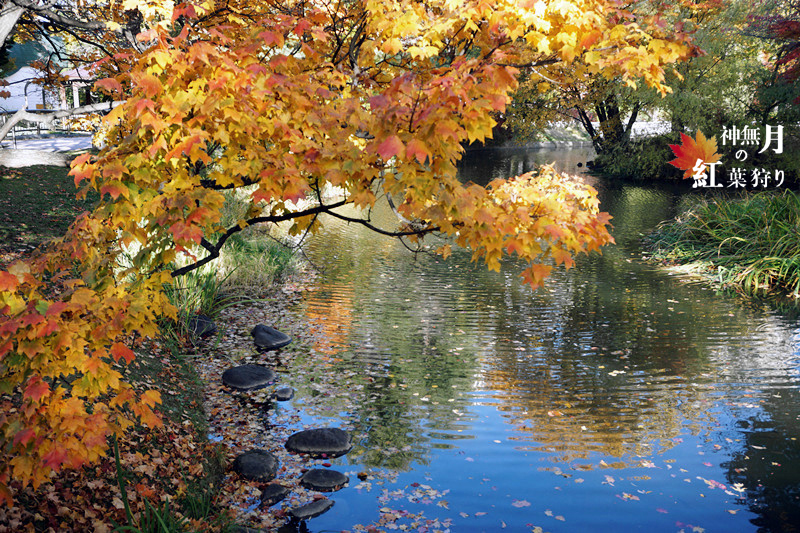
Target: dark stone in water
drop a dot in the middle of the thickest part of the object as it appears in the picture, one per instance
(273, 493)
(324, 480)
(310, 510)
(284, 395)
(201, 326)
(256, 465)
(331, 442)
(267, 338)
(248, 377)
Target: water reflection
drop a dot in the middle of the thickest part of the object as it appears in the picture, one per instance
(616, 364)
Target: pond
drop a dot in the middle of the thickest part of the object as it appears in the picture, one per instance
(622, 396)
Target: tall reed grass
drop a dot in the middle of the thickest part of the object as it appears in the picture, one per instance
(753, 242)
(250, 263)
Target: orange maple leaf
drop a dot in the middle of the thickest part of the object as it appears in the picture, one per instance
(691, 150)
(120, 351)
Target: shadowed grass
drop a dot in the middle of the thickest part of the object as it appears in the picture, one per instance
(38, 203)
(752, 243)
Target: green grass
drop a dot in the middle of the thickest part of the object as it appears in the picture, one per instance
(751, 243)
(37, 204)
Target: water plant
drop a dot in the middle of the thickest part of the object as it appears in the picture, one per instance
(752, 242)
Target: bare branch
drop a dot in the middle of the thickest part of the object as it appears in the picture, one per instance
(214, 249)
(47, 118)
(56, 18)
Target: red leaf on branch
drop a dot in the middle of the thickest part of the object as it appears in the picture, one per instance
(390, 147)
(36, 389)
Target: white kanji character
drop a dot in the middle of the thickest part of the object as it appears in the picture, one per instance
(750, 135)
(769, 134)
(730, 135)
(760, 177)
(737, 178)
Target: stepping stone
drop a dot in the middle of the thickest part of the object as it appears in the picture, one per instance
(256, 465)
(331, 442)
(310, 510)
(273, 493)
(248, 377)
(324, 480)
(201, 326)
(284, 395)
(267, 338)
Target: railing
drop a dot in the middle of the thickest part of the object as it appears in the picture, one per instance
(26, 129)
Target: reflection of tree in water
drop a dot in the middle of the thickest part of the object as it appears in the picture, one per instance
(764, 460)
(614, 358)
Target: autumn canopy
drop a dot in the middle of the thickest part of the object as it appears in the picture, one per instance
(311, 105)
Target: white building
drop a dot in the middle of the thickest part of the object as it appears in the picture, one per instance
(22, 86)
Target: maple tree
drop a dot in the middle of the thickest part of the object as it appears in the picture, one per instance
(307, 107)
(606, 107)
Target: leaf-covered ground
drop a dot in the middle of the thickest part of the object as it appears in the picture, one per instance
(36, 203)
(183, 469)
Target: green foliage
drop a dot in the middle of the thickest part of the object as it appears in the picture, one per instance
(644, 159)
(198, 292)
(752, 242)
(251, 259)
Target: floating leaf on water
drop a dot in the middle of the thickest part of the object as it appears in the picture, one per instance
(738, 487)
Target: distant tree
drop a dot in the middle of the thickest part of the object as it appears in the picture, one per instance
(777, 24)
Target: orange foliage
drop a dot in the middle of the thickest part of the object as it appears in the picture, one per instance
(368, 98)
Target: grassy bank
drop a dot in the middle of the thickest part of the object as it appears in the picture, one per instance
(160, 480)
(750, 243)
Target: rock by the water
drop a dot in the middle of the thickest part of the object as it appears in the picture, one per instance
(310, 510)
(273, 493)
(284, 395)
(256, 465)
(267, 338)
(331, 442)
(201, 326)
(324, 480)
(248, 377)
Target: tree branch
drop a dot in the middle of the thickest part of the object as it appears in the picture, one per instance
(47, 118)
(56, 18)
(376, 229)
(214, 249)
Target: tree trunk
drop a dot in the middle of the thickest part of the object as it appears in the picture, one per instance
(9, 15)
(608, 114)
